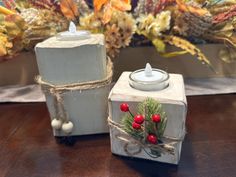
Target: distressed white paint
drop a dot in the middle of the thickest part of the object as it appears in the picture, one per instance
(174, 104)
(66, 62)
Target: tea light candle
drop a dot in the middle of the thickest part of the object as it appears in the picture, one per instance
(73, 34)
(149, 79)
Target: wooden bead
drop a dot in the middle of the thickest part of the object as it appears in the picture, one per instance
(67, 127)
(56, 123)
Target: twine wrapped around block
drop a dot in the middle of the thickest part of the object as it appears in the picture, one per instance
(80, 85)
(129, 140)
(57, 91)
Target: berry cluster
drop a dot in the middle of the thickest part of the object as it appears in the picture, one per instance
(139, 120)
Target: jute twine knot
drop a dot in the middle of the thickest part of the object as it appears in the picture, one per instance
(142, 145)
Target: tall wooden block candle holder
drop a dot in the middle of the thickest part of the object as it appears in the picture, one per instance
(139, 87)
(75, 77)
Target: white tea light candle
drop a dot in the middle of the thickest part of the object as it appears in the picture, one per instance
(73, 34)
(149, 79)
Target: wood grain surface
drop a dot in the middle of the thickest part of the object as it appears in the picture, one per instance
(29, 149)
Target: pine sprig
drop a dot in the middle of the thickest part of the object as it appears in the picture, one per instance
(127, 122)
(153, 107)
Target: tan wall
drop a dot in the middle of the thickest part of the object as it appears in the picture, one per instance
(22, 69)
(131, 59)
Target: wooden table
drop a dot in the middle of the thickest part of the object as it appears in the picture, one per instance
(28, 148)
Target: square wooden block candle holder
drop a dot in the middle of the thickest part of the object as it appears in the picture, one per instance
(156, 88)
(75, 77)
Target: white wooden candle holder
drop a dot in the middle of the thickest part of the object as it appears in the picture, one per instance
(71, 61)
(174, 103)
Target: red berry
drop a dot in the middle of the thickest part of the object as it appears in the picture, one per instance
(124, 107)
(136, 126)
(156, 118)
(139, 119)
(152, 139)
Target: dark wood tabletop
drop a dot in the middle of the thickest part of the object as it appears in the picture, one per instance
(29, 149)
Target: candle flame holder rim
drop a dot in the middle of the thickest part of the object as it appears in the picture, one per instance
(155, 85)
(147, 82)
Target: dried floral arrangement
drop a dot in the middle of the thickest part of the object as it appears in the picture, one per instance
(182, 23)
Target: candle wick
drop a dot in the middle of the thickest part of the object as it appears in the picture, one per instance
(148, 70)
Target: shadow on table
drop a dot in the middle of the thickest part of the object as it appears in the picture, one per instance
(130, 167)
(147, 168)
(73, 140)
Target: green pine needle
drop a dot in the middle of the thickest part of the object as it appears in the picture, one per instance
(127, 122)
